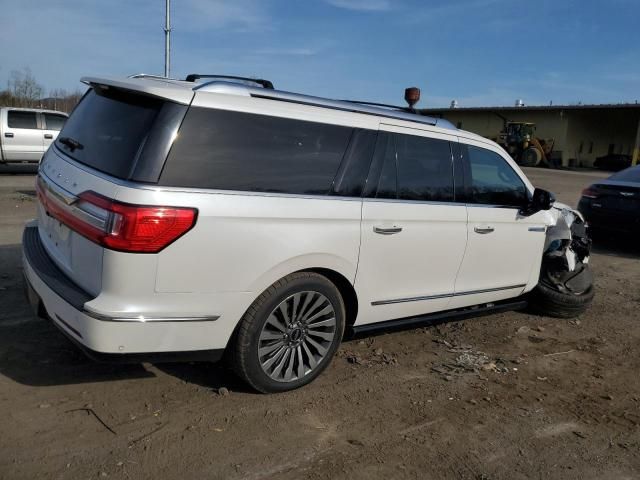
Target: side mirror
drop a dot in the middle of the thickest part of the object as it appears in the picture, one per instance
(540, 200)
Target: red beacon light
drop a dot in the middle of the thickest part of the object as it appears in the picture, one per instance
(412, 96)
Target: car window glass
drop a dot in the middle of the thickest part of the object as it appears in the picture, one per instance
(18, 119)
(111, 126)
(493, 181)
(425, 169)
(387, 183)
(350, 179)
(53, 121)
(229, 150)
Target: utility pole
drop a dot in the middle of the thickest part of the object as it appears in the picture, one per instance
(167, 39)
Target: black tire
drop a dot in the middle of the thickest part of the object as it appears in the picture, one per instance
(531, 157)
(545, 300)
(244, 355)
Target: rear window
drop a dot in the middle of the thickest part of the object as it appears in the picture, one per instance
(54, 122)
(629, 175)
(228, 150)
(108, 129)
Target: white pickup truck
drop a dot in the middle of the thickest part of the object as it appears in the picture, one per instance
(25, 134)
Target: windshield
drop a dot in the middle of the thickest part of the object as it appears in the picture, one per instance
(107, 130)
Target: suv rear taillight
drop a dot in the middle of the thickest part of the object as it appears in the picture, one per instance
(121, 226)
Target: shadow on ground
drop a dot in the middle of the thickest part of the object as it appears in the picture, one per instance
(616, 244)
(33, 352)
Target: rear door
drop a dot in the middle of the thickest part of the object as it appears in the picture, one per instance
(413, 231)
(52, 123)
(504, 248)
(22, 141)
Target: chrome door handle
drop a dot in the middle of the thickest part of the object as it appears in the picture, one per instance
(387, 230)
(483, 230)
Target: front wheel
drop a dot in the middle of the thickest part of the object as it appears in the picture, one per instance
(549, 301)
(290, 333)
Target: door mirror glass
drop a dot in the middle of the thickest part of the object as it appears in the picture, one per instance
(540, 200)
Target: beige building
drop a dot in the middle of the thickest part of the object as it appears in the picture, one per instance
(581, 132)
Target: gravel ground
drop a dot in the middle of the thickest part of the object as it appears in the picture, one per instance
(507, 396)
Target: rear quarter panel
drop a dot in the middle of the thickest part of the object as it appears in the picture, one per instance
(245, 242)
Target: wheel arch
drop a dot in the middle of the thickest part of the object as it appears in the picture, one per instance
(346, 289)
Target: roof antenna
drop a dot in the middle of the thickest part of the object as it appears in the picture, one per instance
(412, 96)
(167, 39)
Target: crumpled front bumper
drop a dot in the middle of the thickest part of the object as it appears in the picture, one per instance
(565, 263)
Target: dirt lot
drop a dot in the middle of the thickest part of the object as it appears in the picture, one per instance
(550, 399)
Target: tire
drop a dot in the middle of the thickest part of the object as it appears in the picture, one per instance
(547, 301)
(531, 157)
(301, 316)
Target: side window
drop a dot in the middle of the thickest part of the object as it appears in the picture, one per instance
(493, 181)
(229, 150)
(388, 181)
(350, 179)
(425, 169)
(20, 119)
(53, 121)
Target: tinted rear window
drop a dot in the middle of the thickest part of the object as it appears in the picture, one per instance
(414, 168)
(18, 119)
(629, 175)
(228, 150)
(110, 128)
(425, 169)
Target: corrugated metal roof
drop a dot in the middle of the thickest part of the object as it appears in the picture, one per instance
(534, 107)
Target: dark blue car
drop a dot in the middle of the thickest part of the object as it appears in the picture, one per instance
(614, 203)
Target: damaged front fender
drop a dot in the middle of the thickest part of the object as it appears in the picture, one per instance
(565, 262)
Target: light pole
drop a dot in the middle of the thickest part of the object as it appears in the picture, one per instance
(167, 39)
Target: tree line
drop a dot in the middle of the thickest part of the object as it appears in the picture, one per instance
(24, 91)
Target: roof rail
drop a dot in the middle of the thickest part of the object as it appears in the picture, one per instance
(192, 77)
(375, 104)
(347, 106)
(148, 75)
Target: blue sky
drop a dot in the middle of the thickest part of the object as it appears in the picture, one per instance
(480, 52)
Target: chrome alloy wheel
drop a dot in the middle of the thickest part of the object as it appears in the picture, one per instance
(296, 336)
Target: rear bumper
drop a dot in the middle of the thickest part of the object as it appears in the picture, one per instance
(53, 295)
(612, 220)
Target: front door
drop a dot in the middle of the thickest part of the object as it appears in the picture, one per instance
(504, 247)
(413, 234)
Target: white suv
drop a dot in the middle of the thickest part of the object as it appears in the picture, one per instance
(185, 219)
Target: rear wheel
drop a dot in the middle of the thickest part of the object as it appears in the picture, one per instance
(290, 333)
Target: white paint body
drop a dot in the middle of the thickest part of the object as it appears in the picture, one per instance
(244, 242)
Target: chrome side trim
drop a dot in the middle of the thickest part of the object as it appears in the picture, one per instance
(537, 229)
(144, 319)
(444, 295)
(411, 299)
